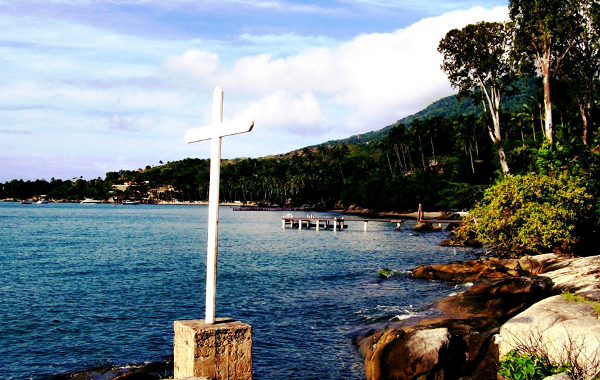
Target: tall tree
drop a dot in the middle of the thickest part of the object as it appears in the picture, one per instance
(476, 58)
(545, 31)
(581, 68)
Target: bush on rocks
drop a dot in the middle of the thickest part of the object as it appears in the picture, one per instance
(532, 213)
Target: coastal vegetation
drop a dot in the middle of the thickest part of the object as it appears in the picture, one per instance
(533, 213)
(528, 366)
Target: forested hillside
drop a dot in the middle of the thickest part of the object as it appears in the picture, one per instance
(444, 159)
(522, 92)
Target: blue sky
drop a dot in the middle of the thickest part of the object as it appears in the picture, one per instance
(91, 86)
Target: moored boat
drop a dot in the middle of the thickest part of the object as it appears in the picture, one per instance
(89, 201)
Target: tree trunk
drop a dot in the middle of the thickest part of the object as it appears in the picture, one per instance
(503, 162)
(390, 165)
(545, 68)
(401, 165)
(422, 154)
(471, 154)
(493, 99)
(584, 117)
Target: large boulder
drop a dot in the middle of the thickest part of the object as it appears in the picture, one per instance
(489, 268)
(458, 338)
(575, 275)
(564, 331)
(455, 340)
(445, 350)
(496, 300)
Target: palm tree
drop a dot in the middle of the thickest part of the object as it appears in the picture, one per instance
(465, 137)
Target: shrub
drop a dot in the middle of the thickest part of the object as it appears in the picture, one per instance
(530, 214)
(516, 366)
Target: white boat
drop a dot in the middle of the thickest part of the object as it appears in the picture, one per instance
(131, 202)
(42, 202)
(88, 201)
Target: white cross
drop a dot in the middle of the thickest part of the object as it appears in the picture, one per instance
(214, 133)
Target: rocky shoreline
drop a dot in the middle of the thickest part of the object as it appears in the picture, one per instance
(512, 302)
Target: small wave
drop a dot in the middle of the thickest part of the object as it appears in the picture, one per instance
(461, 288)
(401, 317)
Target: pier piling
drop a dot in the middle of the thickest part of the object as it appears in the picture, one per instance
(330, 223)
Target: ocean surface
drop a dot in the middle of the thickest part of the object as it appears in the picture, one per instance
(89, 285)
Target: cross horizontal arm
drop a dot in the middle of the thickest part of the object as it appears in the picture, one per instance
(226, 128)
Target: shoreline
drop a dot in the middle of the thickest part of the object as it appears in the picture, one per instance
(506, 307)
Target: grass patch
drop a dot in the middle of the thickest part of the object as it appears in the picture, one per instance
(577, 298)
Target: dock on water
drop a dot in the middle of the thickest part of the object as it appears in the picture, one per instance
(324, 223)
(434, 224)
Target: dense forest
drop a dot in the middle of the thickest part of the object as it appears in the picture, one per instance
(526, 116)
(441, 161)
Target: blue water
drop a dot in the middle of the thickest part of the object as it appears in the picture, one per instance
(89, 285)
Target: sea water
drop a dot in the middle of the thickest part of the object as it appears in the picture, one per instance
(89, 285)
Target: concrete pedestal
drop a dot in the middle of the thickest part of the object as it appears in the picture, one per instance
(221, 351)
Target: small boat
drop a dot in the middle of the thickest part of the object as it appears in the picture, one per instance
(42, 202)
(88, 201)
(25, 202)
(128, 202)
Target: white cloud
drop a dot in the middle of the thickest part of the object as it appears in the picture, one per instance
(297, 114)
(200, 64)
(373, 79)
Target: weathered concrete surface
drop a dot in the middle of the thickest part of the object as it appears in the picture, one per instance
(566, 331)
(219, 351)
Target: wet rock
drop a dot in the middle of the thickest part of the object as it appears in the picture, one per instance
(426, 227)
(496, 300)
(386, 273)
(147, 371)
(461, 242)
(444, 350)
(490, 268)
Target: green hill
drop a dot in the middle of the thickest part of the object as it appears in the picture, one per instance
(450, 106)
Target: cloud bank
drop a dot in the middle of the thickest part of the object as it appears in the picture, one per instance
(354, 86)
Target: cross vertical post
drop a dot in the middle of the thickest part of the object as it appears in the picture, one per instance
(213, 211)
(215, 132)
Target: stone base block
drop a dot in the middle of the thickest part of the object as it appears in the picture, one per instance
(221, 351)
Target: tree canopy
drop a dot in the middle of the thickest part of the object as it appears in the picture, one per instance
(476, 58)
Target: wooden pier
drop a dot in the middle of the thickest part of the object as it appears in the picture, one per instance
(420, 219)
(424, 225)
(324, 223)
